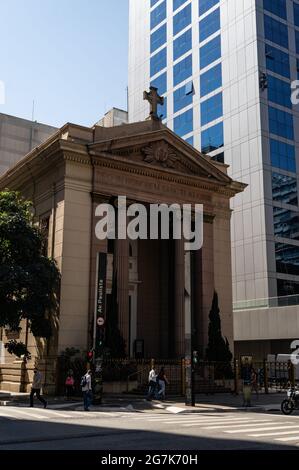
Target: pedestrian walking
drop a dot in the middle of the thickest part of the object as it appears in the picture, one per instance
(69, 384)
(162, 381)
(246, 377)
(86, 390)
(254, 382)
(36, 387)
(152, 383)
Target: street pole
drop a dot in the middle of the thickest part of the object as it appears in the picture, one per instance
(99, 326)
(189, 374)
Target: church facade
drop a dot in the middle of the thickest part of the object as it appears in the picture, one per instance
(67, 178)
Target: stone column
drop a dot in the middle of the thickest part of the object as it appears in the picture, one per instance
(179, 286)
(198, 309)
(122, 266)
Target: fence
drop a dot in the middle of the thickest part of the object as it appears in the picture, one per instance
(209, 377)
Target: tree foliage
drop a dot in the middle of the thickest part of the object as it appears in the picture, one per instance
(29, 281)
(218, 348)
(115, 343)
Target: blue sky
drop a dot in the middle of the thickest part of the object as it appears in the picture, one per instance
(69, 56)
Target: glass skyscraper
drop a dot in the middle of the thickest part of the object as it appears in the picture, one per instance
(225, 68)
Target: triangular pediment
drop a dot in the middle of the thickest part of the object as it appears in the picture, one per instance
(163, 150)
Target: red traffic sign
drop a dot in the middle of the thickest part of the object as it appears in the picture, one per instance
(100, 321)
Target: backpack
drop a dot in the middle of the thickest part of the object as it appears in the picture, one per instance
(83, 382)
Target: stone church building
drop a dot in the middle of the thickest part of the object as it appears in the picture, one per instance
(74, 171)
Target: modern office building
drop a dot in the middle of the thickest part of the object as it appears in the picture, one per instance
(225, 68)
(113, 117)
(18, 137)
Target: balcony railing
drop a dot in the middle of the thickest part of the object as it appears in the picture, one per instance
(270, 302)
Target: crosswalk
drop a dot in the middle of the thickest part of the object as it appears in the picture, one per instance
(26, 413)
(261, 426)
(254, 426)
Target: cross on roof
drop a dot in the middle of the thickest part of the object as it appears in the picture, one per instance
(154, 99)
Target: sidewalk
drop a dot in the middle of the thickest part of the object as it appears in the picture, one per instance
(217, 402)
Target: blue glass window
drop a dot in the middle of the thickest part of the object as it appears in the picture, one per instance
(277, 7)
(183, 124)
(284, 189)
(162, 109)
(282, 155)
(212, 138)
(158, 61)
(276, 31)
(209, 25)
(205, 5)
(160, 83)
(287, 258)
(210, 52)
(182, 70)
(211, 109)
(219, 157)
(281, 123)
(287, 287)
(182, 98)
(277, 61)
(158, 38)
(279, 91)
(182, 44)
(211, 80)
(297, 69)
(296, 14)
(297, 41)
(178, 3)
(182, 19)
(286, 223)
(158, 14)
(190, 140)
(153, 2)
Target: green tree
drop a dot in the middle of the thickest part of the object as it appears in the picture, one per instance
(29, 281)
(115, 343)
(218, 349)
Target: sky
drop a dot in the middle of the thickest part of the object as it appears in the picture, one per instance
(68, 56)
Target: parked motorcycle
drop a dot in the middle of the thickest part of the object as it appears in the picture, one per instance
(291, 403)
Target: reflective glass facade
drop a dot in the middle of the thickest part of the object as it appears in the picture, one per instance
(182, 19)
(286, 223)
(211, 109)
(211, 80)
(182, 70)
(276, 32)
(282, 155)
(210, 52)
(183, 124)
(287, 258)
(277, 61)
(158, 14)
(182, 44)
(284, 189)
(212, 138)
(209, 25)
(205, 5)
(281, 123)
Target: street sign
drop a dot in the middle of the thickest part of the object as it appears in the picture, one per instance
(100, 321)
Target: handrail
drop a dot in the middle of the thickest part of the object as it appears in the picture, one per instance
(134, 373)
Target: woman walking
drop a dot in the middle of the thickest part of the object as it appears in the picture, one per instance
(162, 381)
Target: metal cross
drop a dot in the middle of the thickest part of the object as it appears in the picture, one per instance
(154, 99)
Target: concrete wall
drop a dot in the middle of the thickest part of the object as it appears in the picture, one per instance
(18, 137)
(266, 323)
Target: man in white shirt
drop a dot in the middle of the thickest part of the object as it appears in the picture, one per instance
(152, 381)
(86, 389)
(36, 386)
